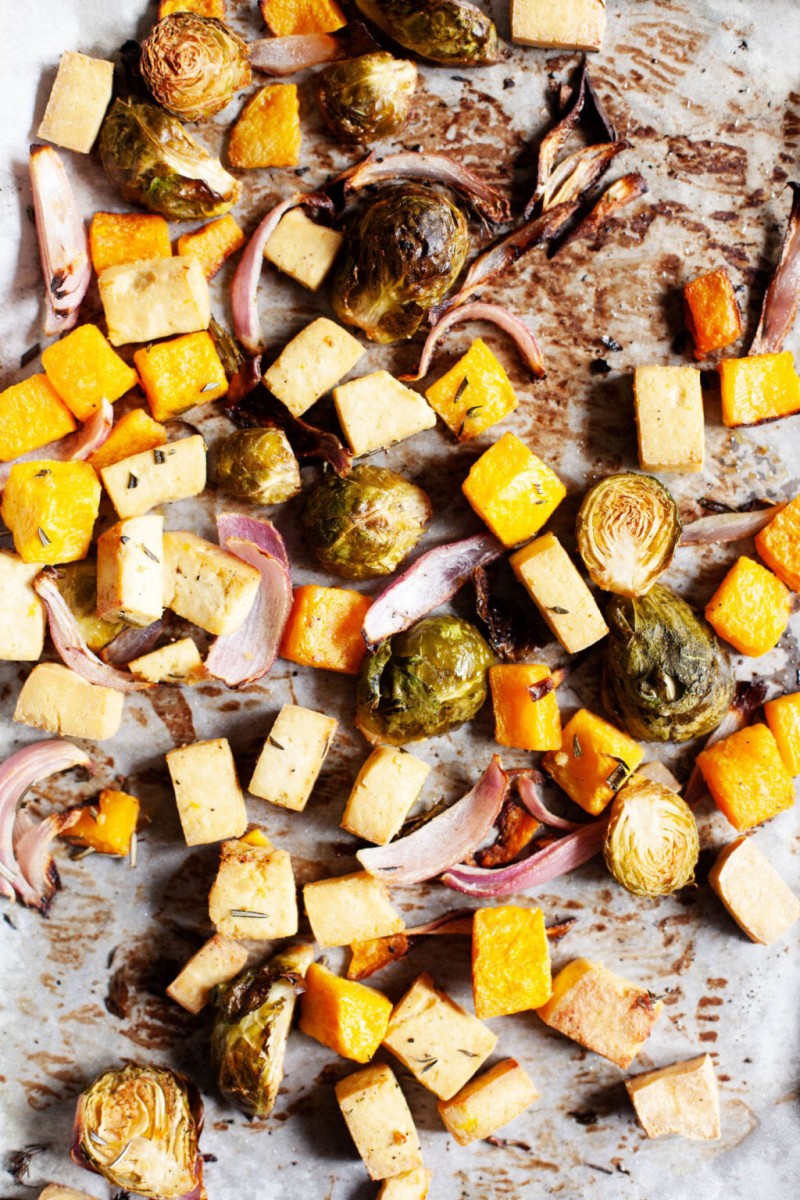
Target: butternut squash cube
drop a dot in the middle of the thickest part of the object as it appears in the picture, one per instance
(379, 1121)
(750, 608)
(411, 1185)
(267, 133)
(254, 895)
(712, 314)
(512, 490)
(108, 824)
(31, 415)
(474, 394)
(526, 715)
(779, 545)
(179, 374)
(84, 370)
(118, 238)
(213, 244)
(761, 387)
(558, 590)
(203, 8)
(347, 1017)
(510, 960)
(287, 17)
(60, 701)
(324, 629)
(350, 908)
(753, 892)
(747, 777)
(682, 1098)
(594, 761)
(51, 508)
(217, 961)
(489, 1102)
(132, 434)
(783, 719)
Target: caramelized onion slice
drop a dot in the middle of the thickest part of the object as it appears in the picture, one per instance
(435, 168)
(63, 244)
(616, 196)
(729, 526)
(495, 314)
(782, 299)
(575, 174)
(287, 55)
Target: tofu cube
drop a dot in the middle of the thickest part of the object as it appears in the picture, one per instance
(753, 892)
(385, 789)
(669, 418)
(601, 1011)
(350, 908)
(411, 1185)
(303, 249)
(682, 1098)
(440, 1043)
(207, 793)
(154, 298)
(558, 24)
(172, 472)
(379, 1121)
(22, 614)
(377, 410)
(130, 571)
(80, 95)
(180, 662)
(292, 757)
(57, 700)
(254, 895)
(207, 585)
(316, 359)
(489, 1102)
(218, 961)
(552, 581)
(55, 1191)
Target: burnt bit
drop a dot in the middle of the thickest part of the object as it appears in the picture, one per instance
(599, 366)
(585, 1118)
(136, 991)
(19, 1161)
(515, 629)
(516, 828)
(30, 354)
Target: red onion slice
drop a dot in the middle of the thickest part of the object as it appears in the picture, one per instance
(528, 792)
(746, 699)
(445, 839)
(286, 55)
(249, 529)
(34, 858)
(781, 301)
(575, 175)
(617, 196)
(132, 643)
(72, 448)
(435, 168)
(495, 314)
(63, 245)
(428, 582)
(728, 527)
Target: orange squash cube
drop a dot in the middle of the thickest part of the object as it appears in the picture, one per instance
(512, 490)
(51, 508)
(287, 17)
(750, 608)
(31, 415)
(267, 133)
(526, 714)
(783, 719)
(349, 1018)
(779, 545)
(85, 370)
(324, 629)
(747, 777)
(180, 374)
(712, 314)
(594, 761)
(203, 8)
(759, 388)
(131, 434)
(107, 825)
(213, 243)
(510, 960)
(474, 394)
(116, 238)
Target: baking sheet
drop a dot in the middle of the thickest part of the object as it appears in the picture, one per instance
(708, 93)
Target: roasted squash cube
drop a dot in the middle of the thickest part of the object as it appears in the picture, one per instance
(51, 508)
(213, 244)
(783, 719)
(31, 415)
(132, 434)
(203, 8)
(180, 374)
(347, 1017)
(84, 370)
(750, 608)
(474, 394)
(712, 314)
(287, 17)
(759, 388)
(116, 238)
(324, 629)
(526, 714)
(747, 777)
(779, 545)
(594, 761)
(108, 824)
(267, 133)
(489, 1102)
(510, 960)
(512, 490)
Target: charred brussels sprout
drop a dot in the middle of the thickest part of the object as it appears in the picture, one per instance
(628, 527)
(366, 98)
(453, 32)
(652, 843)
(193, 65)
(401, 255)
(366, 523)
(257, 465)
(248, 1041)
(139, 1127)
(77, 583)
(422, 682)
(665, 675)
(151, 160)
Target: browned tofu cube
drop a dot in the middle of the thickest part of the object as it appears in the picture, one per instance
(218, 961)
(488, 1102)
(682, 1098)
(379, 1121)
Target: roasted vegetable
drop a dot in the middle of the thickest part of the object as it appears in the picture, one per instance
(138, 1127)
(257, 465)
(422, 682)
(193, 65)
(652, 843)
(77, 583)
(453, 32)
(401, 254)
(324, 629)
(665, 675)
(627, 529)
(363, 99)
(366, 523)
(152, 160)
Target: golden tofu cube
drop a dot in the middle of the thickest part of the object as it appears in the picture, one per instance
(379, 1120)
(350, 908)
(303, 249)
(180, 662)
(559, 24)
(669, 418)
(254, 895)
(377, 410)
(58, 700)
(292, 757)
(411, 1185)
(489, 1102)
(154, 298)
(130, 571)
(385, 789)
(682, 1098)
(512, 490)
(311, 364)
(207, 585)
(218, 961)
(80, 95)
(22, 614)
(552, 581)
(753, 892)
(207, 793)
(158, 476)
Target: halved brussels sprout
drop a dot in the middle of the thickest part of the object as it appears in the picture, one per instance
(257, 465)
(453, 32)
(652, 843)
(628, 527)
(362, 99)
(77, 583)
(422, 682)
(666, 677)
(401, 255)
(193, 65)
(138, 1127)
(364, 524)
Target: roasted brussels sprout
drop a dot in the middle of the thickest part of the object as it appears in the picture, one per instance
(665, 675)
(365, 98)
(652, 843)
(257, 465)
(77, 583)
(193, 65)
(248, 1041)
(628, 527)
(138, 1127)
(401, 255)
(453, 32)
(422, 682)
(364, 524)
(151, 160)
